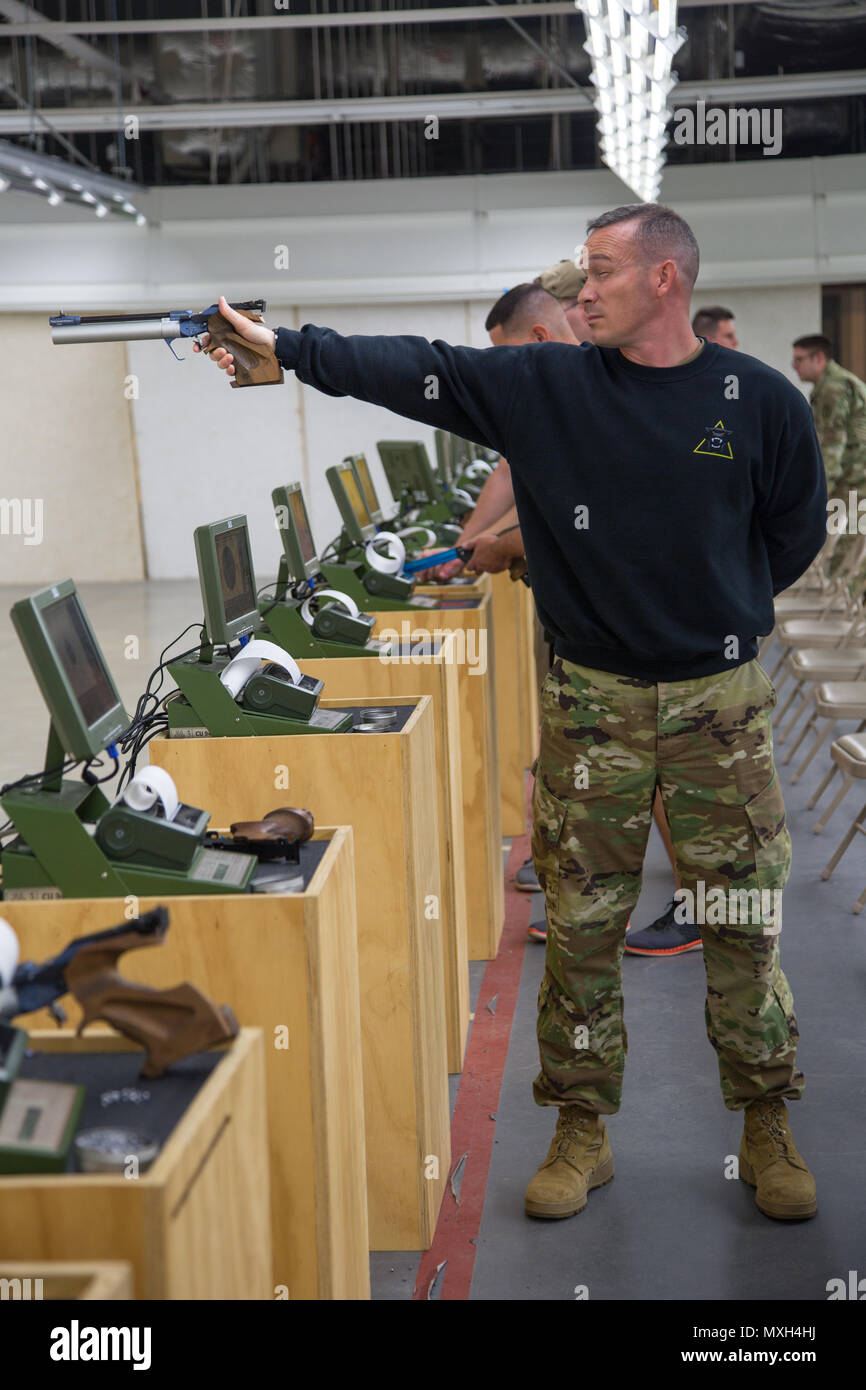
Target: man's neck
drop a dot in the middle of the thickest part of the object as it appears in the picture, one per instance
(671, 350)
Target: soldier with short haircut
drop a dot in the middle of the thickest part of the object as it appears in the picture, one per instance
(623, 452)
(716, 324)
(839, 405)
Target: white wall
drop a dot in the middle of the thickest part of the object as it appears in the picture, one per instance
(209, 451)
(768, 320)
(67, 454)
(415, 256)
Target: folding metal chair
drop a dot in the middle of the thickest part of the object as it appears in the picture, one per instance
(849, 755)
(833, 701)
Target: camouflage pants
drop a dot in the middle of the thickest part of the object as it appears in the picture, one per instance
(606, 742)
(842, 555)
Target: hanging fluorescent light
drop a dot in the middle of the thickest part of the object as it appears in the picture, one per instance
(632, 44)
(57, 181)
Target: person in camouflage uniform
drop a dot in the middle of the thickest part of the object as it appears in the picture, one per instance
(839, 405)
(622, 422)
(607, 742)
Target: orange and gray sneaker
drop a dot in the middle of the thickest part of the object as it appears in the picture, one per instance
(579, 1159)
(537, 929)
(665, 936)
(771, 1163)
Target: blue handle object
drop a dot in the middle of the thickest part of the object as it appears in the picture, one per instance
(429, 562)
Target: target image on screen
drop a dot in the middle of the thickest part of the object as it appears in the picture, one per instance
(302, 527)
(80, 659)
(362, 468)
(356, 501)
(238, 594)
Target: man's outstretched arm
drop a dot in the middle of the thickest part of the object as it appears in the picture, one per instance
(469, 391)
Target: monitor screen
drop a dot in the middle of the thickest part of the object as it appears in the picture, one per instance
(407, 468)
(80, 658)
(232, 551)
(356, 501)
(302, 527)
(367, 489)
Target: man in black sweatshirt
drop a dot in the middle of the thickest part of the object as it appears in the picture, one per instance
(646, 444)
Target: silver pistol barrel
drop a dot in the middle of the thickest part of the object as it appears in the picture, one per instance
(121, 331)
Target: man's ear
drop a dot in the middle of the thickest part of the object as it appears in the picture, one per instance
(539, 333)
(666, 277)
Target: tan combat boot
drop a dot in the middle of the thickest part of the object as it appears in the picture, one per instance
(770, 1162)
(579, 1159)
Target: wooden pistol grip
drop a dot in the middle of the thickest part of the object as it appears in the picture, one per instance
(255, 364)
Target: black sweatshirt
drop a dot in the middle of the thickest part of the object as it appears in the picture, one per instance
(661, 507)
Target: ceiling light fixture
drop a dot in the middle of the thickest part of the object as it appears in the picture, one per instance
(632, 44)
(60, 181)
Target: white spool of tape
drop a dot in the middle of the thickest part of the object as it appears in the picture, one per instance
(149, 785)
(248, 661)
(460, 495)
(428, 535)
(478, 469)
(389, 561)
(348, 603)
(8, 953)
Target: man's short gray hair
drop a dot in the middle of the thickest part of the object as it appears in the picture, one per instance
(662, 235)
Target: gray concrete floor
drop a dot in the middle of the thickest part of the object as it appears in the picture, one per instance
(670, 1226)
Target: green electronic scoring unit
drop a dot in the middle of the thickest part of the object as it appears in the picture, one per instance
(369, 560)
(421, 496)
(360, 533)
(302, 571)
(229, 695)
(416, 535)
(304, 618)
(70, 841)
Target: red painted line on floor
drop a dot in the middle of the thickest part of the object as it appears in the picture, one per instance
(472, 1129)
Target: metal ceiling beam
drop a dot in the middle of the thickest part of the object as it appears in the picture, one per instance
(447, 106)
(263, 114)
(447, 14)
(59, 36)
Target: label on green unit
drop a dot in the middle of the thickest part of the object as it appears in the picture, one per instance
(26, 895)
(220, 866)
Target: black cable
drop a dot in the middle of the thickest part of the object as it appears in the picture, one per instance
(147, 721)
(149, 694)
(149, 701)
(65, 766)
(156, 725)
(341, 551)
(90, 777)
